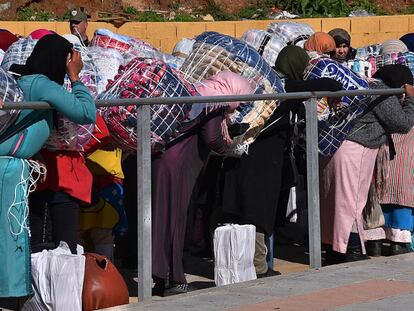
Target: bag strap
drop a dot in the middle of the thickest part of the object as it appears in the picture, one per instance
(23, 124)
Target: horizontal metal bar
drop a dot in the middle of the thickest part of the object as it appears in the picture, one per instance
(210, 99)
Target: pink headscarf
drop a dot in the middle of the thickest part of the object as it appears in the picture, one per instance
(225, 83)
(39, 33)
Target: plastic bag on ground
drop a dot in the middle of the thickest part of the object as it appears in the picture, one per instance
(57, 277)
(234, 247)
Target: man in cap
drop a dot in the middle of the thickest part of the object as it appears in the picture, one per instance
(78, 24)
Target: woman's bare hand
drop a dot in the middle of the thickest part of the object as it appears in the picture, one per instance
(74, 65)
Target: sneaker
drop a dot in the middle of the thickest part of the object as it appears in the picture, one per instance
(268, 273)
(179, 288)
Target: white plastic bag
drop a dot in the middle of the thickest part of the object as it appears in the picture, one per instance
(57, 278)
(234, 247)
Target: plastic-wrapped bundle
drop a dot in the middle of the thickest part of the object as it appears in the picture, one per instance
(18, 52)
(69, 135)
(364, 52)
(335, 120)
(409, 60)
(1, 55)
(267, 45)
(9, 92)
(369, 66)
(107, 63)
(142, 78)
(291, 32)
(214, 52)
(130, 47)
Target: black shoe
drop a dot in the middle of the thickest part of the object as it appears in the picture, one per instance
(268, 273)
(179, 288)
(399, 248)
(355, 254)
(374, 248)
(159, 287)
(334, 258)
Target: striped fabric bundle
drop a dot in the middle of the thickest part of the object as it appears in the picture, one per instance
(9, 92)
(214, 52)
(266, 44)
(291, 32)
(143, 78)
(18, 52)
(399, 184)
(335, 120)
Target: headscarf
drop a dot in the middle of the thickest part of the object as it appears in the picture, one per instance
(340, 36)
(395, 76)
(225, 83)
(6, 39)
(408, 40)
(48, 58)
(40, 33)
(393, 46)
(292, 61)
(320, 42)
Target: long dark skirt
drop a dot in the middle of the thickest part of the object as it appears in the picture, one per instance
(251, 184)
(174, 175)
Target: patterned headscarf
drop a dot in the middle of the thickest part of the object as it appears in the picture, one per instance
(320, 42)
(393, 46)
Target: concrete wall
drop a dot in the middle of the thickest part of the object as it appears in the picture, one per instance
(364, 30)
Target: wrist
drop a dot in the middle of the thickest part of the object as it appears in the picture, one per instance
(74, 78)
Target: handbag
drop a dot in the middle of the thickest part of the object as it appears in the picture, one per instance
(372, 214)
(103, 285)
(106, 162)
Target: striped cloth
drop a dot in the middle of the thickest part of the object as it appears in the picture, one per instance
(399, 188)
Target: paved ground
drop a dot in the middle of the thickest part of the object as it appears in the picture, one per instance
(386, 283)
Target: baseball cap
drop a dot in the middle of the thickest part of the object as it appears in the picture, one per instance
(78, 16)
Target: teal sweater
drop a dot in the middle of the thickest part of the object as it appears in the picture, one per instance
(77, 106)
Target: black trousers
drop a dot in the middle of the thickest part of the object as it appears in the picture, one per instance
(54, 217)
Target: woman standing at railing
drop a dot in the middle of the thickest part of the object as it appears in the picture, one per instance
(174, 175)
(346, 176)
(41, 79)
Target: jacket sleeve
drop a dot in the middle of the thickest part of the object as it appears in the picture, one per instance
(78, 106)
(396, 118)
(211, 133)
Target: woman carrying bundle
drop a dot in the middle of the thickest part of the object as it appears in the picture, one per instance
(346, 176)
(41, 79)
(174, 175)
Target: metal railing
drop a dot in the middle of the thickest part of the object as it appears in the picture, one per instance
(144, 163)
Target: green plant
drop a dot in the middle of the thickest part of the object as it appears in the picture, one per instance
(174, 6)
(368, 6)
(184, 17)
(219, 15)
(316, 8)
(149, 16)
(29, 14)
(253, 12)
(131, 10)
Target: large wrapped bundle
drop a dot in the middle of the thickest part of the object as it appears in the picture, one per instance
(142, 78)
(267, 45)
(367, 67)
(130, 47)
(214, 52)
(69, 136)
(107, 63)
(364, 52)
(335, 120)
(9, 92)
(1, 55)
(291, 32)
(18, 52)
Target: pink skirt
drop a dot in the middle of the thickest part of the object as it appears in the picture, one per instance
(344, 184)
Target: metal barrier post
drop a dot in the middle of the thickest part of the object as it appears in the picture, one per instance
(144, 202)
(312, 161)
